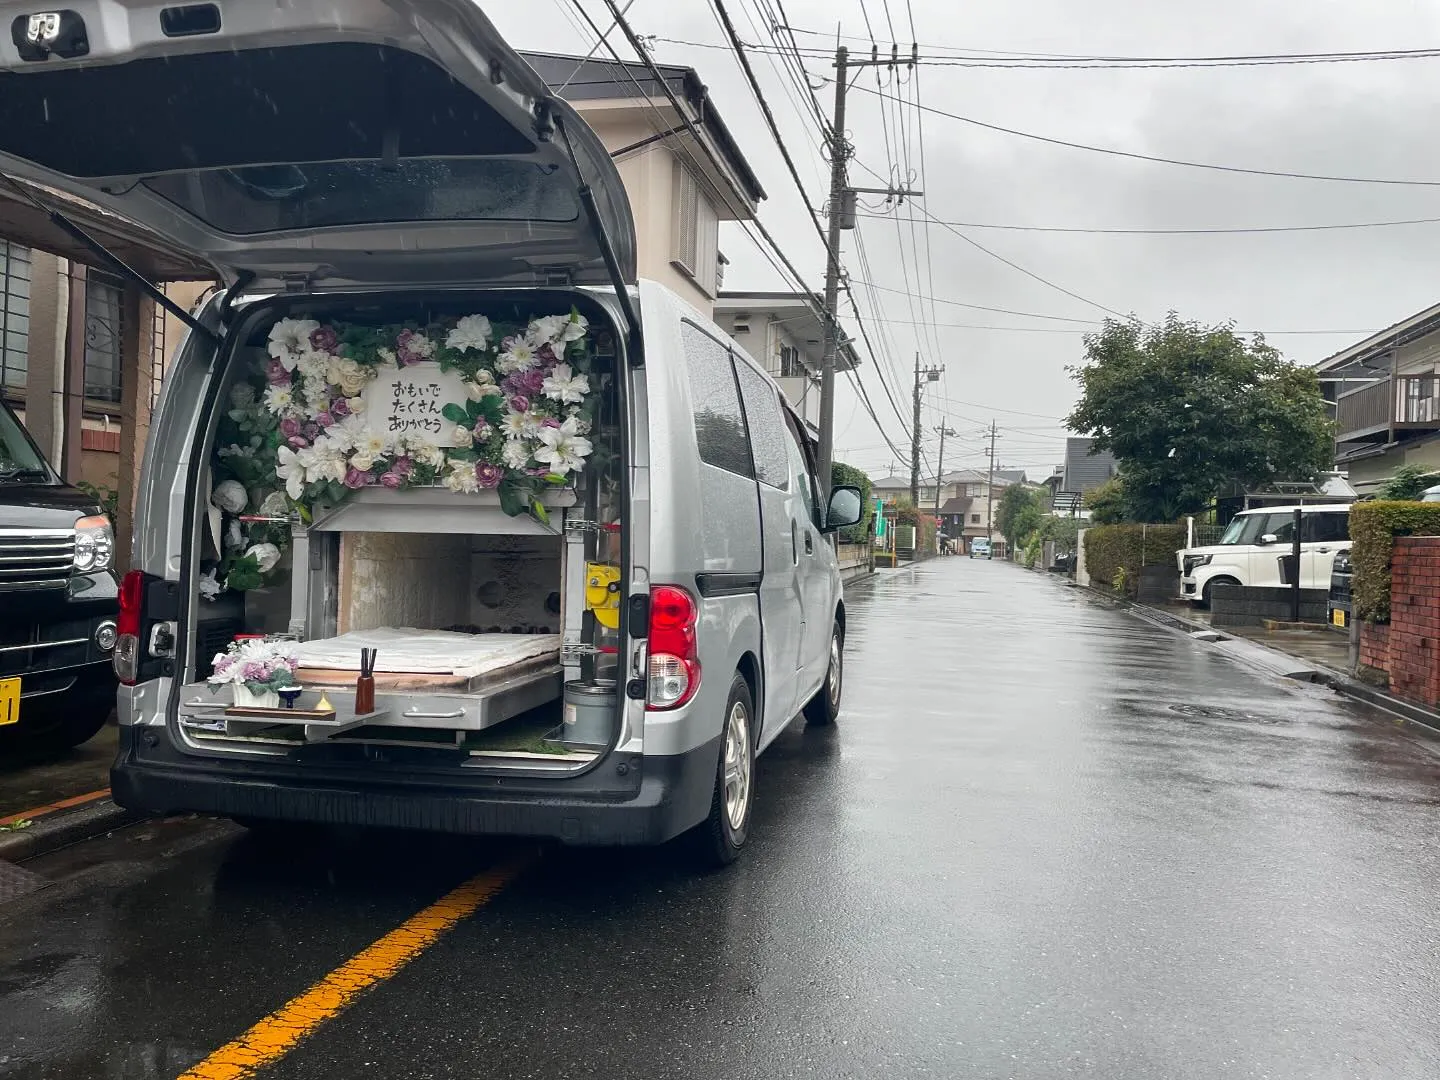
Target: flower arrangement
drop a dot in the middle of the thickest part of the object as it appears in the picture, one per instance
(258, 670)
(297, 433)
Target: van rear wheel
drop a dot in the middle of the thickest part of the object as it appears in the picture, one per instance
(719, 839)
(824, 708)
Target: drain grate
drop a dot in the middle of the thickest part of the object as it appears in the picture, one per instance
(15, 882)
(1215, 712)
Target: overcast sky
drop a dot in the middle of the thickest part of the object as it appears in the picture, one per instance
(1353, 119)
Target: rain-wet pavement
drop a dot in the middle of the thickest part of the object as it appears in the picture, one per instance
(1047, 840)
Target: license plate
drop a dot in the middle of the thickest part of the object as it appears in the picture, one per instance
(9, 701)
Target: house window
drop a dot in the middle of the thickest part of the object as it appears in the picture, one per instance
(104, 297)
(974, 491)
(697, 232)
(974, 519)
(14, 314)
(790, 365)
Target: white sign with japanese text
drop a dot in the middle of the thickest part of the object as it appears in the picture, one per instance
(411, 401)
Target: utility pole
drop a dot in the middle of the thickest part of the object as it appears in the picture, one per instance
(990, 490)
(842, 216)
(943, 430)
(931, 375)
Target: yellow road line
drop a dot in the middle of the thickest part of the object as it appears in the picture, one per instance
(276, 1035)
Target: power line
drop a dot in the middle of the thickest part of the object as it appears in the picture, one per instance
(983, 307)
(1195, 231)
(1111, 151)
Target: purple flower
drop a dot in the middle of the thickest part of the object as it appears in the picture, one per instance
(392, 479)
(310, 430)
(541, 471)
(298, 442)
(339, 408)
(403, 467)
(325, 339)
(290, 428)
(412, 347)
(275, 373)
(550, 421)
(481, 431)
(532, 381)
(519, 403)
(325, 420)
(489, 475)
(254, 671)
(354, 478)
(546, 355)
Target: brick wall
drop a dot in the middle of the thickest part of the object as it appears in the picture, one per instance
(1375, 646)
(1414, 649)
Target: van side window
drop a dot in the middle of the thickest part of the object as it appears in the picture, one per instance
(1329, 528)
(719, 423)
(767, 427)
(1282, 526)
(800, 464)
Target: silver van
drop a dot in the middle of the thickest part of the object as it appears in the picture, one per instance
(446, 520)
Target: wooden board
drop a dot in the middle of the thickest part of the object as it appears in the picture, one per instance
(385, 682)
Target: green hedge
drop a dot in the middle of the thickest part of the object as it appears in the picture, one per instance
(1373, 528)
(1113, 549)
(848, 475)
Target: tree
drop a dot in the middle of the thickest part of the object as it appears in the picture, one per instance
(1106, 503)
(1188, 409)
(1019, 513)
(1408, 482)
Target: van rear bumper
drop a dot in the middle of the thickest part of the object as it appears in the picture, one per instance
(671, 794)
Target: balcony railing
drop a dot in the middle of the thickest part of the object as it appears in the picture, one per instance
(1406, 402)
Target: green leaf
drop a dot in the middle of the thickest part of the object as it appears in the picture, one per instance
(537, 508)
(462, 453)
(514, 498)
(554, 478)
(472, 413)
(454, 413)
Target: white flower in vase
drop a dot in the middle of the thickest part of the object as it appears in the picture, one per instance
(426, 452)
(234, 537)
(563, 448)
(516, 453)
(471, 332)
(516, 425)
(461, 436)
(313, 365)
(374, 444)
(387, 356)
(545, 330)
(290, 339)
(350, 375)
(564, 385)
(362, 461)
(325, 460)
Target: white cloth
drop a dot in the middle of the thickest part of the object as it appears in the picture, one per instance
(427, 652)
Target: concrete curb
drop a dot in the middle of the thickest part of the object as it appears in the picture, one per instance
(65, 827)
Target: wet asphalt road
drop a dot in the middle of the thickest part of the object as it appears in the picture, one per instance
(1047, 840)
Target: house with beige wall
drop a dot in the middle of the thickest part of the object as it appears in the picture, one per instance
(680, 187)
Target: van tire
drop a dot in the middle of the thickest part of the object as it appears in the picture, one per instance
(823, 709)
(1205, 590)
(719, 839)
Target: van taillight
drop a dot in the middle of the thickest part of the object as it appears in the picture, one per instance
(126, 657)
(674, 669)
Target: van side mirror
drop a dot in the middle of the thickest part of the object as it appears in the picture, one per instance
(846, 508)
(1269, 538)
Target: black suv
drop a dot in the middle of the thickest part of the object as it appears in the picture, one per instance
(58, 602)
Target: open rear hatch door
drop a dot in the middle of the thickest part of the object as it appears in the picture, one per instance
(324, 143)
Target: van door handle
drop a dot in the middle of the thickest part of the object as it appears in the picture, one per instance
(1323, 551)
(809, 543)
(794, 552)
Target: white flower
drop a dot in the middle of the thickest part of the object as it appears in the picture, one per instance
(574, 329)
(565, 386)
(234, 538)
(482, 387)
(291, 469)
(347, 374)
(266, 556)
(417, 344)
(387, 356)
(563, 448)
(515, 425)
(462, 436)
(516, 453)
(349, 433)
(290, 339)
(316, 392)
(582, 426)
(428, 454)
(461, 478)
(471, 332)
(362, 461)
(519, 356)
(313, 365)
(324, 461)
(242, 395)
(230, 496)
(357, 405)
(534, 421)
(545, 330)
(280, 400)
(210, 585)
(374, 444)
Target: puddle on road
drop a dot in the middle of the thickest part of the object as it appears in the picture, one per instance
(1216, 712)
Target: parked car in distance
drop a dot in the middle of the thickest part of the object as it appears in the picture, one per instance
(1431, 494)
(58, 602)
(980, 549)
(1256, 544)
